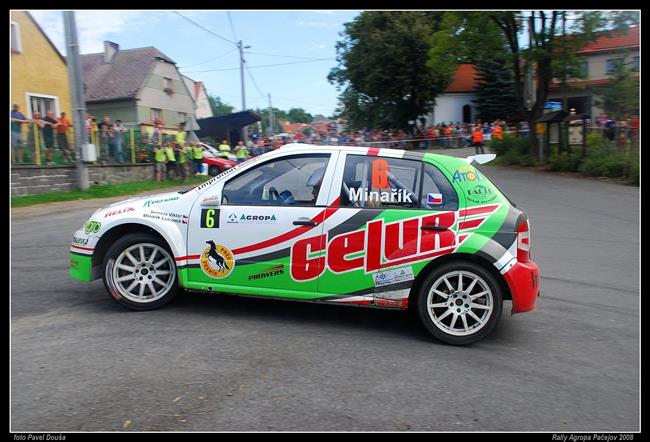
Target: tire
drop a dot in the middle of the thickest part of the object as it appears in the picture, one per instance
(463, 323)
(159, 273)
(213, 171)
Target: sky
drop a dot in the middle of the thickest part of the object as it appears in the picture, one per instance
(288, 36)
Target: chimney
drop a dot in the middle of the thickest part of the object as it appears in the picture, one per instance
(110, 50)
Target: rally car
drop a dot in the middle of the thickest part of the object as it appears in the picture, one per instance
(348, 225)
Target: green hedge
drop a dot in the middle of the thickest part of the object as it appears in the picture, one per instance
(603, 159)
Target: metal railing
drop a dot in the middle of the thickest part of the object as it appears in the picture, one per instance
(133, 147)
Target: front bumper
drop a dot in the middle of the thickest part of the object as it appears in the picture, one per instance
(80, 267)
(523, 281)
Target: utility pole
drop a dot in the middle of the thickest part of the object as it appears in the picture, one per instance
(77, 95)
(565, 100)
(240, 45)
(271, 118)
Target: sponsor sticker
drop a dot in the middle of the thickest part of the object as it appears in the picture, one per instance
(481, 194)
(178, 218)
(393, 276)
(466, 173)
(217, 261)
(119, 212)
(245, 218)
(149, 203)
(266, 273)
(434, 198)
(92, 227)
(79, 240)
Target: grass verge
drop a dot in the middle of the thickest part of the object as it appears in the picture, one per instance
(102, 191)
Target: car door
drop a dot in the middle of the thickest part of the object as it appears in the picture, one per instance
(244, 244)
(392, 216)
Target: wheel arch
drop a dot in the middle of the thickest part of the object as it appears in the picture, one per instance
(110, 236)
(457, 257)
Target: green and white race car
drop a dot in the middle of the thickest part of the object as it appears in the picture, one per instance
(348, 225)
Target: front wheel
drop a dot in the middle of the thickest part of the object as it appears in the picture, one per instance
(140, 272)
(460, 303)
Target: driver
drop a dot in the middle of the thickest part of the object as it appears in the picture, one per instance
(316, 180)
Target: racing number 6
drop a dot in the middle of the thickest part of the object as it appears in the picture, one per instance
(379, 174)
(208, 219)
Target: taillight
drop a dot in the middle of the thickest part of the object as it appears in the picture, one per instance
(523, 242)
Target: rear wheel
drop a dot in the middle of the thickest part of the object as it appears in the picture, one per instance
(460, 303)
(140, 272)
(213, 171)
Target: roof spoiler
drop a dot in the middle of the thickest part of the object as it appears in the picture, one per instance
(481, 158)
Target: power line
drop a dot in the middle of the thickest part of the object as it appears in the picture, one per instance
(254, 82)
(232, 27)
(266, 65)
(207, 61)
(206, 29)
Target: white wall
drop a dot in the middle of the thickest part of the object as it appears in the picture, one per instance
(449, 108)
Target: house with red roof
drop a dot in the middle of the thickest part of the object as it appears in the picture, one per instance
(456, 104)
(600, 58)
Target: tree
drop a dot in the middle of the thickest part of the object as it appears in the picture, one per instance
(495, 89)
(218, 107)
(545, 54)
(382, 69)
(620, 98)
(298, 115)
(265, 115)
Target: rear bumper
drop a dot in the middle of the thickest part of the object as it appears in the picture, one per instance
(523, 281)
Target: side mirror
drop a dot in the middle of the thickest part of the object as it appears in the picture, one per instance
(212, 200)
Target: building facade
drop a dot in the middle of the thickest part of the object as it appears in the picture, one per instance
(600, 59)
(142, 87)
(457, 103)
(200, 96)
(39, 74)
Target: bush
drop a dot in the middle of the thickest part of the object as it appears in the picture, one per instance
(509, 144)
(564, 162)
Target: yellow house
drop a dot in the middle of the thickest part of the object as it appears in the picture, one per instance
(39, 74)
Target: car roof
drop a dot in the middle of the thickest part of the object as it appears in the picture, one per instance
(363, 150)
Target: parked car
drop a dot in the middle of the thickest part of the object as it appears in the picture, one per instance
(337, 224)
(216, 162)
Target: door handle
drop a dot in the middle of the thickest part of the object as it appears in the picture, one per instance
(438, 228)
(304, 222)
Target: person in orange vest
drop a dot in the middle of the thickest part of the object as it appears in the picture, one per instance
(477, 138)
(498, 131)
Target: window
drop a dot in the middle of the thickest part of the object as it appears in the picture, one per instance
(16, 43)
(378, 182)
(437, 192)
(635, 64)
(42, 103)
(168, 85)
(613, 64)
(584, 69)
(293, 180)
(156, 114)
(182, 117)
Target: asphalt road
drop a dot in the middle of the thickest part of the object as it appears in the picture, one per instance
(79, 361)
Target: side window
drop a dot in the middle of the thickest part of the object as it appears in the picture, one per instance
(288, 181)
(437, 191)
(378, 182)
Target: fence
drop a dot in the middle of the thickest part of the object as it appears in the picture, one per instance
(134, 147)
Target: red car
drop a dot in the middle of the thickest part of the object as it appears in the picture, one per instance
(215, 161)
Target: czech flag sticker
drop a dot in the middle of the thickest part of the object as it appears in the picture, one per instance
(434, 198)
